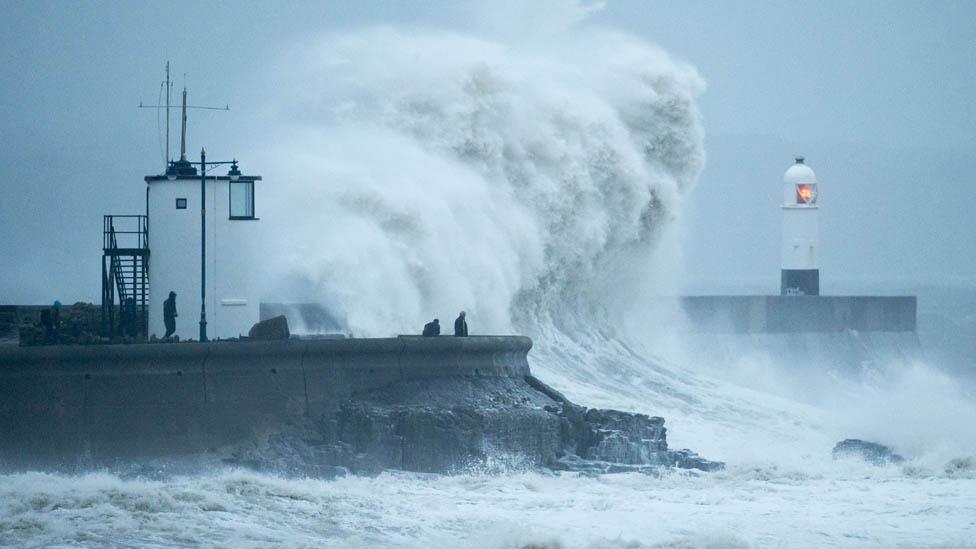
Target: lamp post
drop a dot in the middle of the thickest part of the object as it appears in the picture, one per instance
(203, 245)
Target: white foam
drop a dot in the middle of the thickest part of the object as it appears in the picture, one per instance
(738, 508)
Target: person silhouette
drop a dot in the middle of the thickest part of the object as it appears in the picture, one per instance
(432, 329)
(170, 314)
(461, 326)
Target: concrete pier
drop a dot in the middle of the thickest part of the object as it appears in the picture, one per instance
(63, 404)
(800, 314)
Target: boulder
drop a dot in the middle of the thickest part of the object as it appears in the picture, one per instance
(271, 329)
(871, 452)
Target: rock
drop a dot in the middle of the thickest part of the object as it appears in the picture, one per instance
(620, 437)
(961, 468)
(871, 452)
(31, 335)
(271, 329)
(482, 424)
(686, 459)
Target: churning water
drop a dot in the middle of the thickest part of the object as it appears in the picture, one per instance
(746, 506)
(538, 184)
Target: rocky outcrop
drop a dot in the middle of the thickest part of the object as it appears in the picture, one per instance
(871, 452)
(451, 426)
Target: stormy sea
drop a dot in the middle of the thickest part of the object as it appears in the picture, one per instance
(538, 185)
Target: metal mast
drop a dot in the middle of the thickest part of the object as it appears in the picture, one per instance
(168, 85)
(183, 167)
(184, 108)
(183, 133)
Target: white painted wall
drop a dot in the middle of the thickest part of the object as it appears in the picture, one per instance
(174, 243)
(801, 238)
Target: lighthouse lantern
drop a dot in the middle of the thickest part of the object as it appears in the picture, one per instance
(806, 193)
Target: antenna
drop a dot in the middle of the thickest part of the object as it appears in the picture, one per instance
(183, 128)
(168, 85)
(168, 106)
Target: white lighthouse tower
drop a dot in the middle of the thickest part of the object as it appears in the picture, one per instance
(800, 271)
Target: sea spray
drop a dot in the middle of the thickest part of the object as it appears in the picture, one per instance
(427, 171)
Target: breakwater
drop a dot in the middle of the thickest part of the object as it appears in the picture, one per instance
(309, 407)
(800, 314)
(805, 333)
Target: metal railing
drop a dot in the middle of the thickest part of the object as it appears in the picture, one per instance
(125, 231)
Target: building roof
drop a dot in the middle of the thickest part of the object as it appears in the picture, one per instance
(183, 170)
(799, 173)
(196, 178)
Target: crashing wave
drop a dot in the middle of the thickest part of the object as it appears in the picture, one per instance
(438, 171)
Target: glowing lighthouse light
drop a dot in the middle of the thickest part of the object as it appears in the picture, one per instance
(806, 194)
(800, 271)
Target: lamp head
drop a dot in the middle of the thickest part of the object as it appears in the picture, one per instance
(234, 172)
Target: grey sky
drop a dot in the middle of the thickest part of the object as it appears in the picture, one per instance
(877, 96)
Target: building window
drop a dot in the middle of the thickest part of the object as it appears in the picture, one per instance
(180, 203)
(242, 200)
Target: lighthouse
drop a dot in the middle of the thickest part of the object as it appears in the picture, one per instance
(790, 322)
(800, 263)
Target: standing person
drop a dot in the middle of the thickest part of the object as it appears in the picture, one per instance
(129, 317)
(56, 320)
(48, 323)
(169, 314)
(461, 326)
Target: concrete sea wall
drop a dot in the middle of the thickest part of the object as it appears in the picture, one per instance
(796, 314)
(65, 405)
(804, 334)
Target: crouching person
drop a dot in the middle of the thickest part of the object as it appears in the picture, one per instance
(432, 328)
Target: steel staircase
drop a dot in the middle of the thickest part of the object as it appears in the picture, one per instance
(125, 276)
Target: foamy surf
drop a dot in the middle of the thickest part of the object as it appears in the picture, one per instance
(854, 506)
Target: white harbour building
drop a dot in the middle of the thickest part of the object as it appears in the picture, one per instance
(175, 208)
(196, 239)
